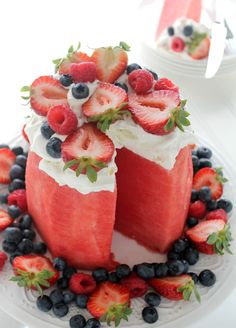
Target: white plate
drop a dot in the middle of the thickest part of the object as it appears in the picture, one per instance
(20, 304)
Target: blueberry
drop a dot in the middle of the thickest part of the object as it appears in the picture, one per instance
(9, 247)
(173, 256)
(132, 67)
(175, 268)
(60, 309)
(21, 160)
(207, 278)
(4, 146)
(68, 272)
(113, 277)
(3, 198)
(134, 269)
(81, 301)
(205, 194)
(211, 205)
(152, 299)
(39, 248)
(150, 314)
(25, 222)
(53, 147)
(62, 283)
(29, 233)
(191, 222)
(77, 321)
(194, 277)
(66, 80)
(17, 150)
(194, 152)
(56, 296)
(13, 235)
(93, 323)
(225, 205)
(13, 211)
(17, 172)
(59, 263)
(145, 271)
(80, 91)
(191, 256)
(179, 246)
(122, 86)
(46, 131)
(154, 74)
(68, 297)
(194, 195)
(170, 31)
(100, 275)
(14, 255)
(186, 266)
(25, 246)
(44, 303)
(123, 270)
(204, 152)
(16, 184)
(188, 30)
(195, 161)
(204, 162)
(161, 270)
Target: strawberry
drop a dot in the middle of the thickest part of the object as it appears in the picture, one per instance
(34, 272)
(62, 119)
(46, 92)
(140, 80)
(197, 209)
(81, 283)
(199, 46)
(110, 302)
(218, 214)
(87, 150)
(24, 134)
(177, 44)
(75, 57)
(137, 286)
(3, 258)
(7, 159)
(211, 236)
(83, 72)
(5, 220)
(158, 112)
(212, 178)
(165, 84)
(18, 198)
(106, 105)
(110, 63)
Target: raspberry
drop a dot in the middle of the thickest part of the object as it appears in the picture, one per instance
(18, 198)
(165, 84)
(197, 209)
(177, 44)
(137, 286)
(81, 283)
(62, 119)
(83, 72)
(140, 80)
(219, 214)
(3, 258)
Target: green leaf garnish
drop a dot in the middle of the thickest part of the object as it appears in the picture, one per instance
(116, 313)
(195, 41)
(124, 46)
(221, 240)
(220, 177)
(178, 117)
(25, 89)
(188, 289)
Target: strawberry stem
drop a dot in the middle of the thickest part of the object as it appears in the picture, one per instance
(221, 240)
(178, 117)
(116, 313)
(195, 41)
(187, 291)
(70, 52)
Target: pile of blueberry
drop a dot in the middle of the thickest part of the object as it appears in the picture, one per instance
(187, 30)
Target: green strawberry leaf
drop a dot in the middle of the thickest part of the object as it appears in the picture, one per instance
(124, 46)
(70, 163)
(25, 88)
(212, 238)
(220, 176)
(195, 41)
(91, 173)
(169, 125)
(221, 240)
(188, 289)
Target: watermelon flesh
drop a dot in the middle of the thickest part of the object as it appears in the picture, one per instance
(152, 202)
(75, 226)
(173, 10)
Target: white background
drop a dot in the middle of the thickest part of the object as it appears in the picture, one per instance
(35, 32)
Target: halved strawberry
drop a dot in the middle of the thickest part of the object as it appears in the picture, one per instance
(110, 302)
(211, 178)
(7, 159)
(110, 63)
(75, 57)
(158, 112)
(200, 50)
(5, 220)
(175, 288)
(106, 105)
(211, 236)
(218, 214)
(87, 150)
(34, 272)
(46, 92)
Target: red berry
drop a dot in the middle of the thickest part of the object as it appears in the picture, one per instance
(62, 119)
(137, 286)
(83, 72)
(165, 84)
(18, 198)
(81, 283)
(7, 159)
(5, 220)
(197, 209)
(177, 44)
(140, 80)
(219, 214)
(3, 258)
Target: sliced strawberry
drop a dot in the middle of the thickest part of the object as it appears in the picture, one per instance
(87, 150)
(7, 159)
(175, 288)
(165, 84)
(211, 178)
(110, 63)
(46, 92)
(200, 51)
(34, 272)
(211, 236)
(75, 57)
(218, 214)
(18, 198)
(110, 302)
(5, 220)
(152, 111)
(106, 105)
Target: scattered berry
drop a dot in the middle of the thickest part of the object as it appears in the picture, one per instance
(197, 209)
(161, 270)
(150, 314)
(3, 198)
(207, 278)
(18, 150)
(165, 84)
(5, 220)
(68, 272)
(53, 147)
(100, 275)
(152, 299)
(59, 263)
(80, 91)
(60, 310)
(63, 283)
(123, 271)
(137, 286)
(25, 246)
(177, 44)
(39, 248)
(81, 283)
(175, 268)
(225, 204)
(204, 162)
(172, 256)
(18, 198)
(29, 233)
(21, 160)
(194, 277)
(121, 85)
(75, 57)
(145, 271)
(62, 119)
(77, 321)
(188, 30)
(56, 296)
(13, 235)
(141, 81)
(191, 222)
(179, 246)
(81, 301)
(17, 172)
(9, 247)
(195, 161)
(211, 205)
(46, 130)
(204, 152)
(154, 74)
(66, 80)
(186, 266)
(93, 323)
(113, 277)
(218, 214)
(83, 72)
(25, 222)
(44, 303)
(205, 194)
(191, 256)
(16, 184)
(194, 195)
(170, 31)
(132, 67)
(7, 159)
